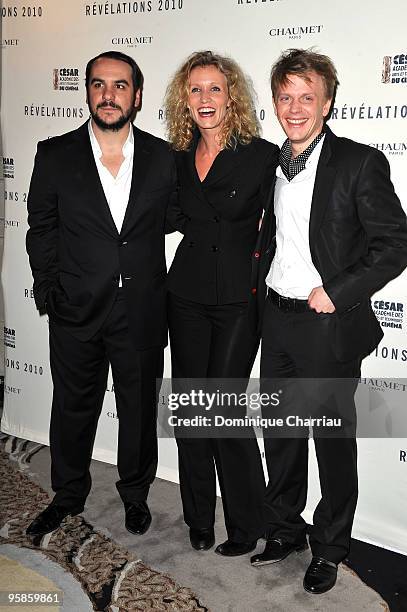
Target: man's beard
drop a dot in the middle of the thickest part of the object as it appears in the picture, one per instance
(116, 125)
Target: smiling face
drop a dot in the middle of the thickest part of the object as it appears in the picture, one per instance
(301, 106)
(208, 97)
(110, 95)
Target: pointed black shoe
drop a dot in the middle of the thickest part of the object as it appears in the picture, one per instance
(320, 576)
(50, 519)
(138, 517)
(277, 550)
(202, 539)
(234, 549)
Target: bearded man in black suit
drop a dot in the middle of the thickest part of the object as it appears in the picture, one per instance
(96, 209)
(335, 235)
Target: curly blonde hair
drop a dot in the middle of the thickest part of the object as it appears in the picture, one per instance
(240, 124)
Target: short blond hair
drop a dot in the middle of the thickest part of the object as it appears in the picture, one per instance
(300, 62)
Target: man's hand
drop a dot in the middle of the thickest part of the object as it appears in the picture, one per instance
(320, 301)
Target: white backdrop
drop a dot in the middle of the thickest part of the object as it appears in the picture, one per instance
(45, 47)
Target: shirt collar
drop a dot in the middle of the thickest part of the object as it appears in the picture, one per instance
(293, 166)
(127, 149)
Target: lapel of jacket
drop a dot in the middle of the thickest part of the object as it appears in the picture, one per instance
(268, 226)
(324, 179)
(224, 164)
(88, 173)
(141, 162)
(188, 158)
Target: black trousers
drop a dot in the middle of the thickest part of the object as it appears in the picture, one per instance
(299, 345)
(79, 372)
(216, 342)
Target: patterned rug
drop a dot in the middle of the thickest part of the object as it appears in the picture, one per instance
(114, 579)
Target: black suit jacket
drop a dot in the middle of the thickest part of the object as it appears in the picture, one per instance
(77, 254)
(357, 237)
(219, 218)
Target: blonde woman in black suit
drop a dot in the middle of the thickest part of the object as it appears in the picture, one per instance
(225, 172)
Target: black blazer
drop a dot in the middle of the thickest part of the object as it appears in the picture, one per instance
(358, 241)
(219, 218)
(77, 254)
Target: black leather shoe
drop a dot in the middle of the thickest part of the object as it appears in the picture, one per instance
(277, 550)
(202, 539)
(138, 517)
(320, 576)
(50, 519)
(234, 549)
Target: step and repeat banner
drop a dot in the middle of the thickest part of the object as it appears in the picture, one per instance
(45, 48)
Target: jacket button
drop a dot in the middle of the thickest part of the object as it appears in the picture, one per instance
(216, 219)
(123, 243)
(232, 193)
(215, 248)
(191, 244)
(257, 254)
(254, 291)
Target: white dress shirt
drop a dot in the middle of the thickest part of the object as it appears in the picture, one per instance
(117, 189)
(292, 272)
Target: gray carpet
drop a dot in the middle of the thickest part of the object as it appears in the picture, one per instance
(223, 584)
(113, 578)
(74, 598)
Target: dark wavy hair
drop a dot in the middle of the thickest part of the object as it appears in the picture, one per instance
(137, 75)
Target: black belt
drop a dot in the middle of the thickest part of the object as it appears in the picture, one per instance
(287, 304)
